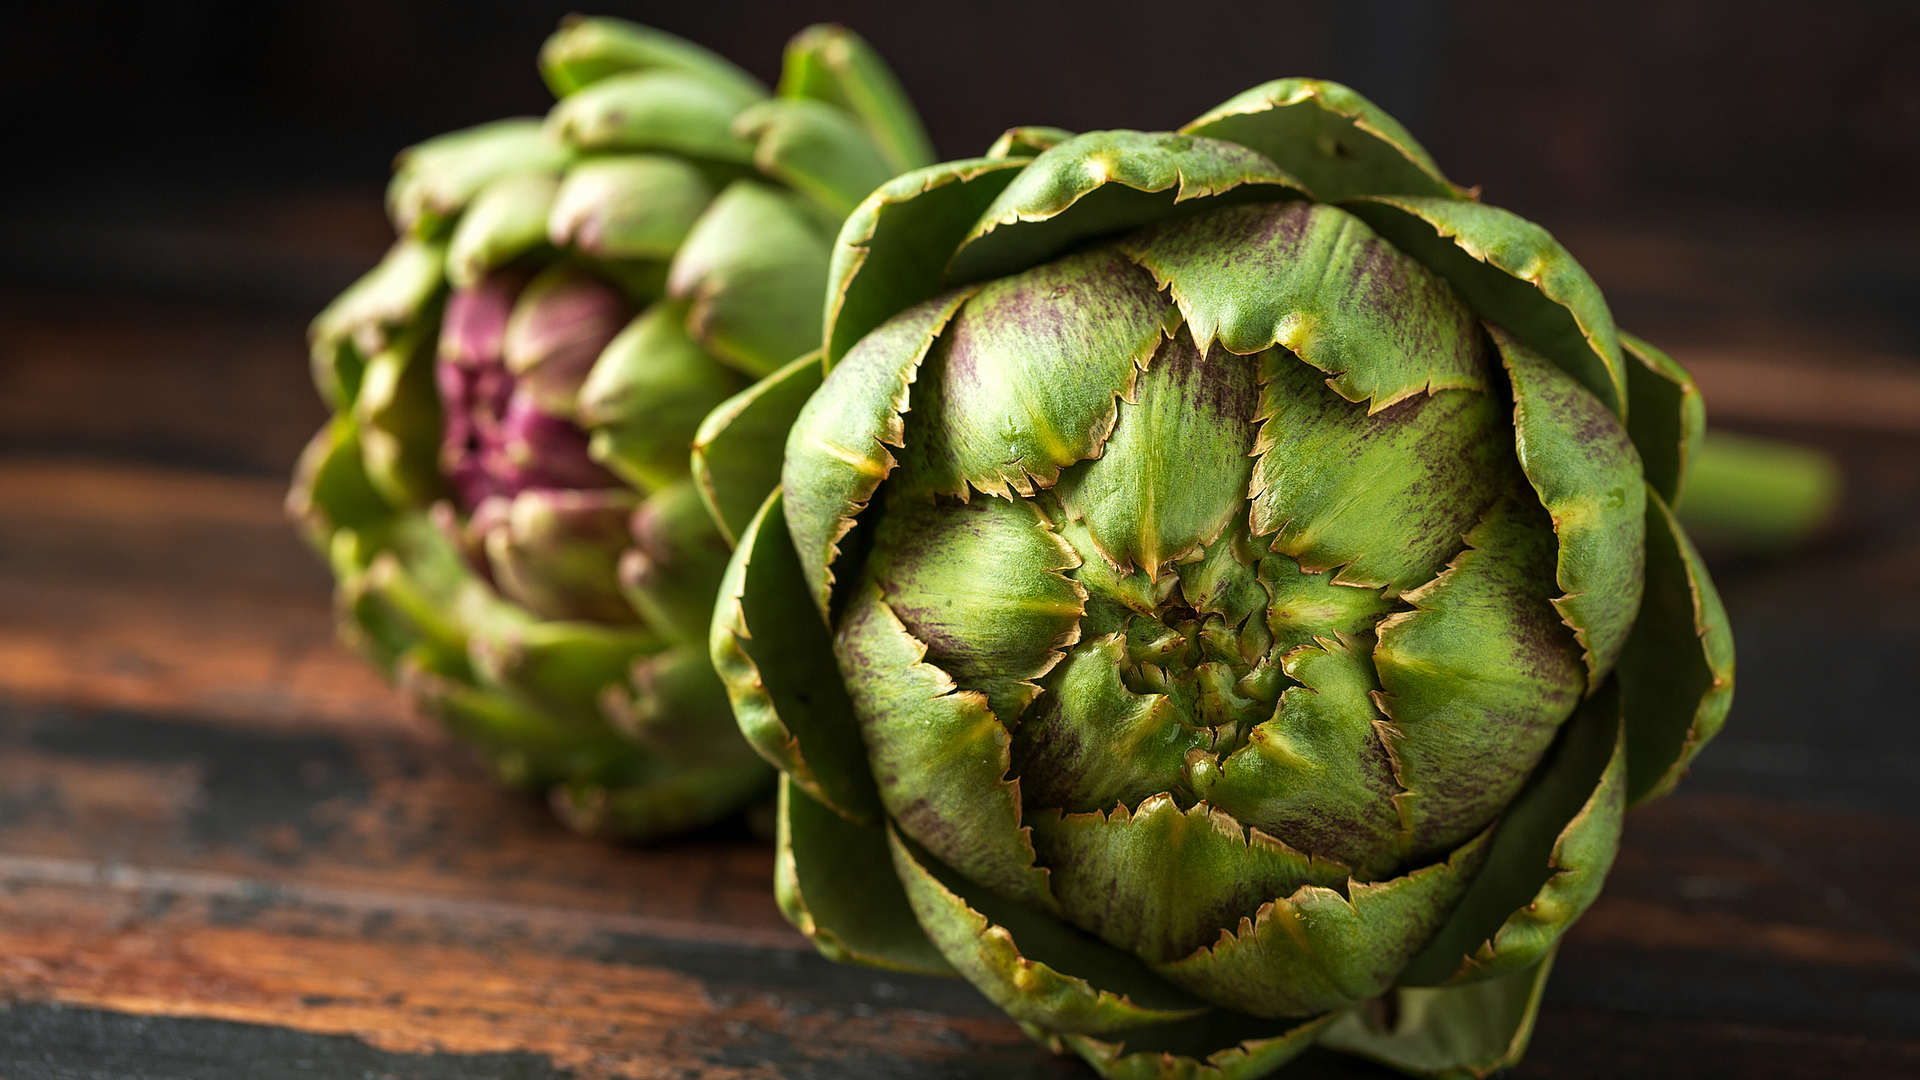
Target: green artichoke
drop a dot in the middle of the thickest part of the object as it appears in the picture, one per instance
(1249, 567)
(504, 492)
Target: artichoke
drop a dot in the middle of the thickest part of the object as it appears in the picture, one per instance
(504, 492)
(1249, 567)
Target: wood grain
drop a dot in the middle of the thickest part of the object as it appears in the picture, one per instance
(213, 818)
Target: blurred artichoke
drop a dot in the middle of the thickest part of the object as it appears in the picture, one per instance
(504, 490)
(1249, 567)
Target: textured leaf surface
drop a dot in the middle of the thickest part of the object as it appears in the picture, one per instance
(1338, 143)
(1513, 273)
(773, 652)
(837, 450)
(738, 449)
(980, 585)
(1106, 182)
(1316, 775)
(1175, 470)
(939, 755)
(1386, 497)
(1160, 882)
(1587, 474)
(1038, 969)
(1024, 382)
(835, 883)
(1316, 280)
(1676, 675)
(1318, 950)
(648, 393)
(892, 251)
(1477, 678)
(1550, 855)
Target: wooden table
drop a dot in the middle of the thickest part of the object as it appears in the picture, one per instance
(227, 850)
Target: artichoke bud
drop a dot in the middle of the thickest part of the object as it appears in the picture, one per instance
(507, 219)
(585, 50)
(673, 570)
(754, 268)
(435, 180)
(555, 552)
(559, 326)
(331, 490)
(660, 110)
(648, 393)
(628, 206)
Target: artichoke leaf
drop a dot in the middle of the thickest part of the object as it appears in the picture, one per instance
(1221, 1045)
(628, 206)
(1450, 1032)
(507, 219)
(1107, 182)
(1318, 776)
(816, 149)
(1478, 677)
(667, 802)
(835, 883)
(1338, 143)
(1584, 468)
(940, 757)
(1318, 950)
(836, 452)
(1676, 674)
(905, 229)
(753, 268)
(1160, 882)
(1316, 280)
(1024, 382)
(398, 414)
(1027, 141)
(1091, 742)
(1513, 273)
(647, 395)
(330, 488)
(835, 65)
(659, 109)
(1383, 496)
(981, 584)
(1175, 471)
(674, 568)
(1665, 416)
(737, 450)
(675, 707)
(559, 667)
(434, 181)
(387, 302)
(528, 749)
(770, 648)
(585, 50)
(1038, 969)
(1551, 852)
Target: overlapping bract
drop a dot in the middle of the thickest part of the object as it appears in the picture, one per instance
(1248, 565)
(504, 492)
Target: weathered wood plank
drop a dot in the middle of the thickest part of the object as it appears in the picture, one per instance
(210, 814)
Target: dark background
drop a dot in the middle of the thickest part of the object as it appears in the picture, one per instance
(1735, 172)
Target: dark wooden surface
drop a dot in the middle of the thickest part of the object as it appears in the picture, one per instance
(227, 849)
